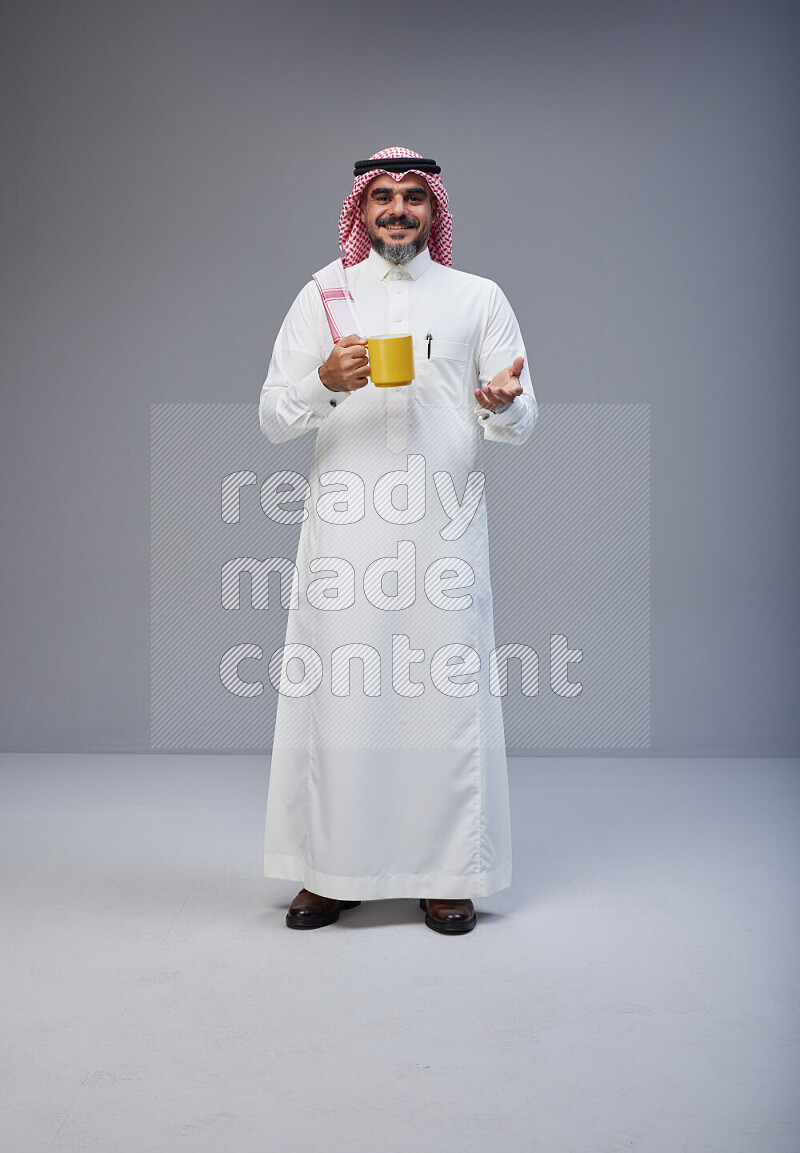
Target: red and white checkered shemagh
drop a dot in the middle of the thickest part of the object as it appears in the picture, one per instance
(353, 239)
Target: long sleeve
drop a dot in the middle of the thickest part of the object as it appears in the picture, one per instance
(293, 398)
(501, 344)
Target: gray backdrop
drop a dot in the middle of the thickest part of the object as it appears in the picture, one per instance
(172, 174)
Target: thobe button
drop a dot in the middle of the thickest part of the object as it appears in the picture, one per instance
(332, 403)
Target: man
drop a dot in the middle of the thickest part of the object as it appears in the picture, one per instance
(388, 774)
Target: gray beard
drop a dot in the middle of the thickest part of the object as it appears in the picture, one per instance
(398, 253)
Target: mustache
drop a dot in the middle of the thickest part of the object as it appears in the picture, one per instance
(396, 222)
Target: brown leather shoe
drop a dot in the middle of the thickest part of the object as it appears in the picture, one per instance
(449, 916)
(310, 911)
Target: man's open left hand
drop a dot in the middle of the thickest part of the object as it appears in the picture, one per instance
(502, 388)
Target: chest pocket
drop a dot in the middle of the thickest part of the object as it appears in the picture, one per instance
(441, 380)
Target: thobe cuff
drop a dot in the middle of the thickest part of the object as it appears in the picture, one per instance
(513, 424)
(484, 414)
(321, 400)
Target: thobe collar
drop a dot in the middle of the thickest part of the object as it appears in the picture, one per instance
(381, 268)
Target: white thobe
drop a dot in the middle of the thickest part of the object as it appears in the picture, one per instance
(388, 775)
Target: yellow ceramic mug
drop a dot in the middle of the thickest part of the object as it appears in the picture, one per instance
(391, 359)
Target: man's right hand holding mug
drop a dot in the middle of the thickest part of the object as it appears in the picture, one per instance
(347, 367)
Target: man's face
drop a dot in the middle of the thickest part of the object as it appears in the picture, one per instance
(398, 215)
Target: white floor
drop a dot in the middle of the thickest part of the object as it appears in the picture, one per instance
(635, 989)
